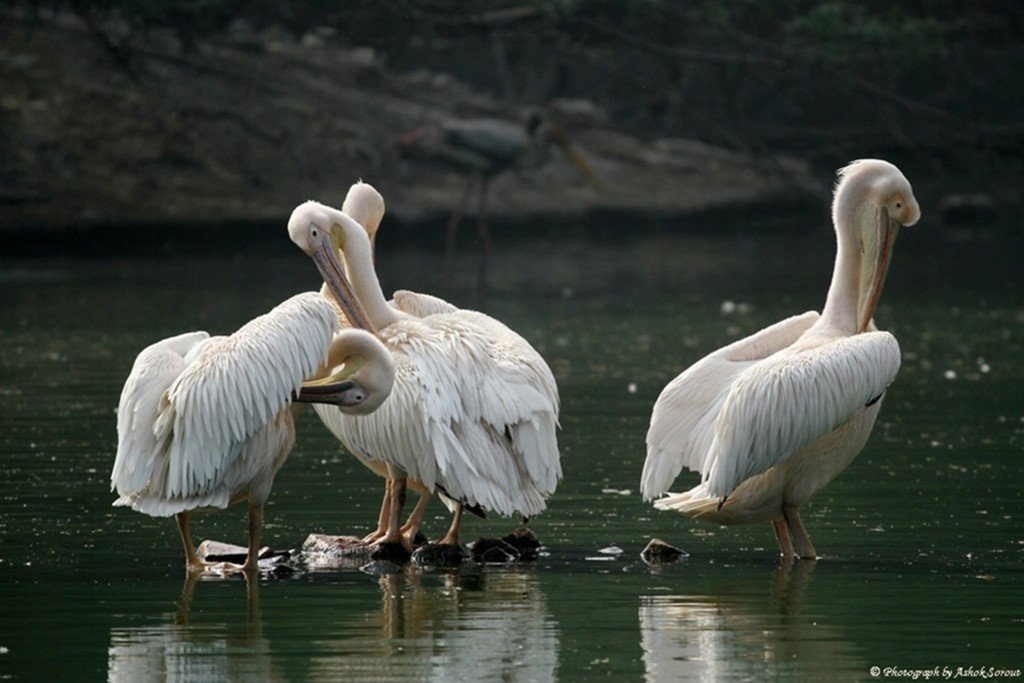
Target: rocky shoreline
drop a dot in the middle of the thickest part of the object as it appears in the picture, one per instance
(107, 127)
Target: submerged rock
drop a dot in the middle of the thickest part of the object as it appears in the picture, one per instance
(525, 541)
(494, 551)
(658, 551)
(439, 555)
(380, 568)
(389, 552)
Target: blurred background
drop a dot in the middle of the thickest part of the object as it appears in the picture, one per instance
(179, 115)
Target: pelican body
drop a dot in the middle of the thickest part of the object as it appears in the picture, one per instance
(770, 420)
(474, 408)
(204, 422)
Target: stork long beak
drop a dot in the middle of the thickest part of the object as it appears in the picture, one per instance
(875, 265)
(325, 255)
(559, 137)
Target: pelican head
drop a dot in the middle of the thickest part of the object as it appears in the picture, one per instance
(873, 199)
(366, 206)
(362, 374)
(311, 228)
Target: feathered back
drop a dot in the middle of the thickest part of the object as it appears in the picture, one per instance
(198, 421)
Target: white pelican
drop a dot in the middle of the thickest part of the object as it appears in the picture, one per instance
(472, 413)
(204, 422)
(769, 420)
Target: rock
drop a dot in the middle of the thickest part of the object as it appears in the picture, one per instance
(525, 542)
(216, 551)
(658, 551)
(494, 551)
(439, 555)
(335, 546)
(389, 552)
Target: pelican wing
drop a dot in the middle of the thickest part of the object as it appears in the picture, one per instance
(779, 405)
(420, 305)
(234, 386)
(684, 416)
(154, 371)
(468, 411)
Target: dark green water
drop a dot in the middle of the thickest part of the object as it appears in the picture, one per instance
(922, 536)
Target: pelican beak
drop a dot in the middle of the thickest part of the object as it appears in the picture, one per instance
(325, 255)
(337, 389)
(877, 251)
(327, 391)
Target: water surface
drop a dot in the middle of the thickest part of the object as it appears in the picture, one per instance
(921, 536)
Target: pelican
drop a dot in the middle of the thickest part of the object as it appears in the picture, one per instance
(769, 420)
(204, 422)
(472, 413)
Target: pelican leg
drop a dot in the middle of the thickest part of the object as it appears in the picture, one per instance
(192, 561)
(382, 518)
(782, 533)
(415, 521)
(393, 535)
(252, 561)
(452, 537)
(804, 547)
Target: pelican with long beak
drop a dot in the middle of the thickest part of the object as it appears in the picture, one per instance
(770, 420)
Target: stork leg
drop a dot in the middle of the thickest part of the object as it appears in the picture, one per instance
(804, 547)
(782, 533)
(453, 225)
(192, 561)
(452, 537)
(415, 521)
(484, 234)
(382, 518)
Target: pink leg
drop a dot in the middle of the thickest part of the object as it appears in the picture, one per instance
(804, 547)
(782, 533)
(382, 518)
(415, 521)
(452, 537)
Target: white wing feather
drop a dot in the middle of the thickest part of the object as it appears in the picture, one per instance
(683, 419)
(784, 403)
(420, 305)
(471, 410)
(154, 370)
(234, 386)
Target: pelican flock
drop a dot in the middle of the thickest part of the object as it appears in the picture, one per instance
(770, 420)
(474, 408)
(204, 422)
(452, 402)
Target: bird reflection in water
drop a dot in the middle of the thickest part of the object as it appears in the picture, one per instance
(488, 625)
(181, 650)
(729, 634)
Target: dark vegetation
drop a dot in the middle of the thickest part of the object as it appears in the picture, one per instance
(807, 76)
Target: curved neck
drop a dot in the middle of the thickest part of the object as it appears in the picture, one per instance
(357, 257)
(843, 294)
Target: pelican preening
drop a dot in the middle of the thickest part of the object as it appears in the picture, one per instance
(474, 408)
(204, 422)
(769, 420)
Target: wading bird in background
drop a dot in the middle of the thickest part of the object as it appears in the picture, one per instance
(482, 149)
(205, 422)
(466, 415)
(770, 420)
